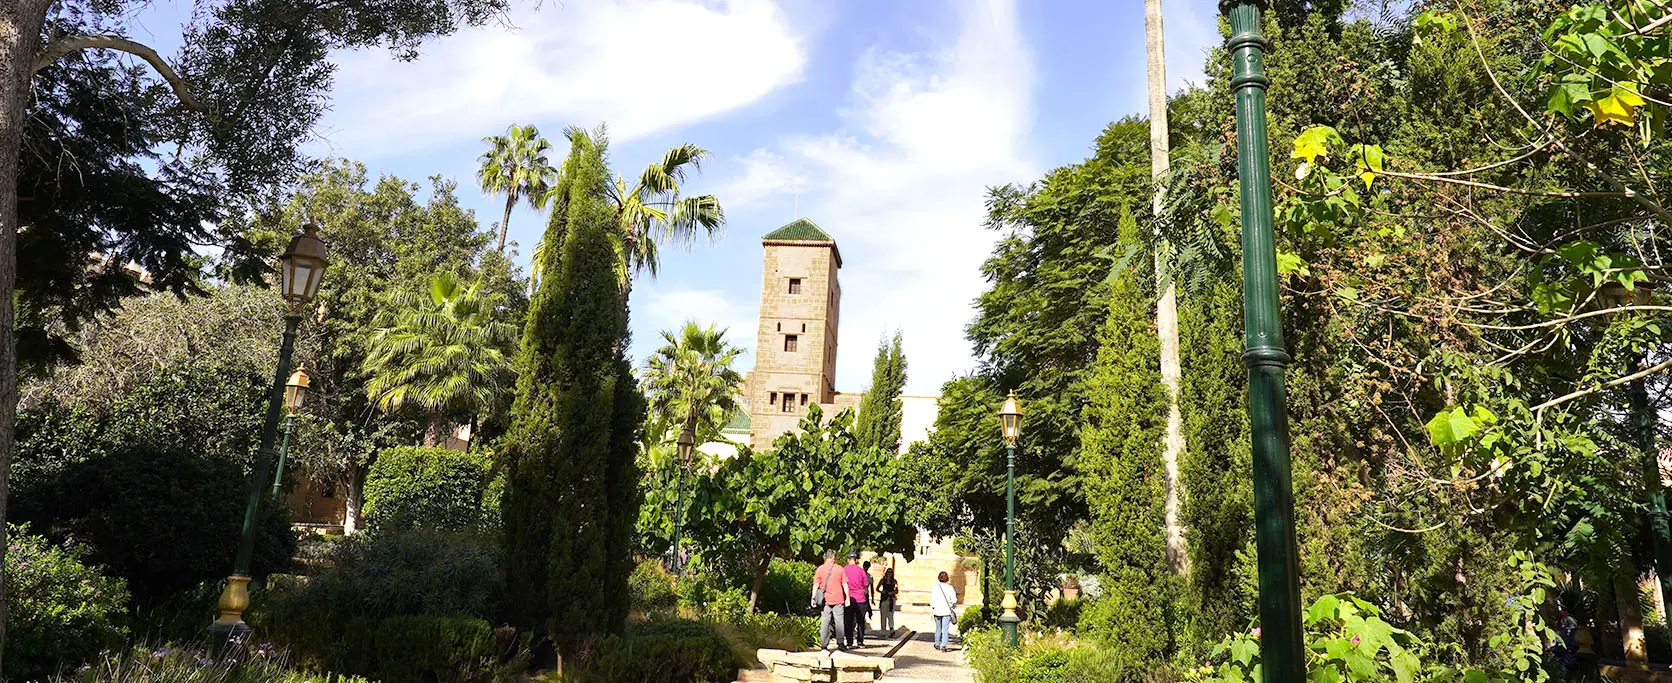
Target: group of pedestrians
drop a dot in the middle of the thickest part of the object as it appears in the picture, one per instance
(843, 593)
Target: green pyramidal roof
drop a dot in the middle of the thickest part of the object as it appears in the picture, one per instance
(800, 229)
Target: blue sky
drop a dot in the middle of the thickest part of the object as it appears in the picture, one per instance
(884, 122)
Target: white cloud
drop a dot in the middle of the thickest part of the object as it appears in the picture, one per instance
(1191, 28)
(764, 173)
(902, 186)
(642, 65)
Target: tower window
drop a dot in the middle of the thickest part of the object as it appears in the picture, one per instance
(803, 327)
(803, 399)
(780, 327)
(774, 398)
(789, 343)
(795, 285)
(789, 403)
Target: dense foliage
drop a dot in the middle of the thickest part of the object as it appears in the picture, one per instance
(571, 498)
(817, 489)
(151, 482)
(60, 611)
(880, 410)
(432, 488)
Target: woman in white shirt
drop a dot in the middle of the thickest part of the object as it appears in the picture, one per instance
(941, 599)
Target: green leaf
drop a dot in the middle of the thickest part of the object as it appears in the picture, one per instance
(1324, 608)
(1405, 667)
(1314, 142)
(1451, 427)
(1291, 264)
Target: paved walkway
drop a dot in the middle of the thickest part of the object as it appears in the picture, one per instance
(919, 661)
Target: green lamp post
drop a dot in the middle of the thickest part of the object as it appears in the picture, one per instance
(301, 268)
(687, 443)
(1643, 418)
(1010, 418)
(294, 391)
(1281, 644)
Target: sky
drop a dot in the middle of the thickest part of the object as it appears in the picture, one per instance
(884, 122)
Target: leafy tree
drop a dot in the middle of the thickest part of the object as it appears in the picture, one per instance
(817, 488)
(880, 409)
(249, 84)
(515, 165)
(691, 381)
(446, 351)
(652, 210)
(385, 237)
(571, 502)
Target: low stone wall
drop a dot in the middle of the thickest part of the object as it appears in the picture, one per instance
(823, 667)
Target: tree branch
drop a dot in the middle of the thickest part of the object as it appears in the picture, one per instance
(1539, 409)
(56, 49)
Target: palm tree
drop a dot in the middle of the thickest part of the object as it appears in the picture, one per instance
(691, 380)
(652, 210)
(1167, 307)
(444, 351)
(516, 166)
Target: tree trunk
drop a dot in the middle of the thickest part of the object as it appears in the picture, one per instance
(20, 37)
(1167, 308)
(1631, 620)
(354, 499)
(435, 433)
(760, 579)
(505, 223)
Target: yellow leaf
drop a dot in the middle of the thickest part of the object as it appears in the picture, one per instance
(1367, 176)
(1620, 106)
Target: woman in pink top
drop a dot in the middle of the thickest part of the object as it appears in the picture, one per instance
(859, 585)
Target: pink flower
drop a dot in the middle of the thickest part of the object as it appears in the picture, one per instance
(1355, 640)
(1255, 631)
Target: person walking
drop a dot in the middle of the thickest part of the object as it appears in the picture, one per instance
(859, 586)
(830, 597)
(942, 598)
(888, 590)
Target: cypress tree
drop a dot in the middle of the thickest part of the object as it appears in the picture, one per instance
(880, 409)
(1121, 466)
(570, 504)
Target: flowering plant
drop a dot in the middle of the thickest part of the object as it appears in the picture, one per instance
(1347, 640)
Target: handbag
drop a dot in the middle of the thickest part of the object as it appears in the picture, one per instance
(818, 591)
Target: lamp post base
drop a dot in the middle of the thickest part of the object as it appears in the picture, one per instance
(1008, 621)
(228, 633)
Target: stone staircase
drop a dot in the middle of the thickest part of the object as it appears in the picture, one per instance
(918, 576)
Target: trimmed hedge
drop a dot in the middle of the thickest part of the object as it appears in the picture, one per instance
(674, 651)
(432, 488)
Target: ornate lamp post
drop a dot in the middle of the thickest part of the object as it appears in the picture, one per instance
(1643, 418)
(301, 268)
(295, 391)
(687, 442)
(1010, 419)
(1281, 645)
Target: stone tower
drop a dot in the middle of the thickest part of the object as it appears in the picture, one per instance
(795, 345)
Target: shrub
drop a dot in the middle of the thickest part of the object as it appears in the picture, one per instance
(1049, 659)
(431, 488)
(441, 649)
(1042, 666)
(375, 577)
(652, 591)
(1063, 614)
(976, 618)
(786, 587)
(674, 651)
(59, 611)
(164, 518)
(728, 606)
(768, 630)
(176, 665)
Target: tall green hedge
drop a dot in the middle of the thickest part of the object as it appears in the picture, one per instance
(432, 488)
(1121, 462)
(880, 411)
(571, 499)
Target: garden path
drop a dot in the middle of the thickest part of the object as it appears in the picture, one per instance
(919, 661)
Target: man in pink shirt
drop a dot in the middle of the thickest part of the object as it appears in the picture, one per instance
(832, 581)
(859, 586)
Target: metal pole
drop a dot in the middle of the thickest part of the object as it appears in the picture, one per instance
(236, 597)
(1009, 620)
(1643, 418)
(1281, 644)
(284, 450)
